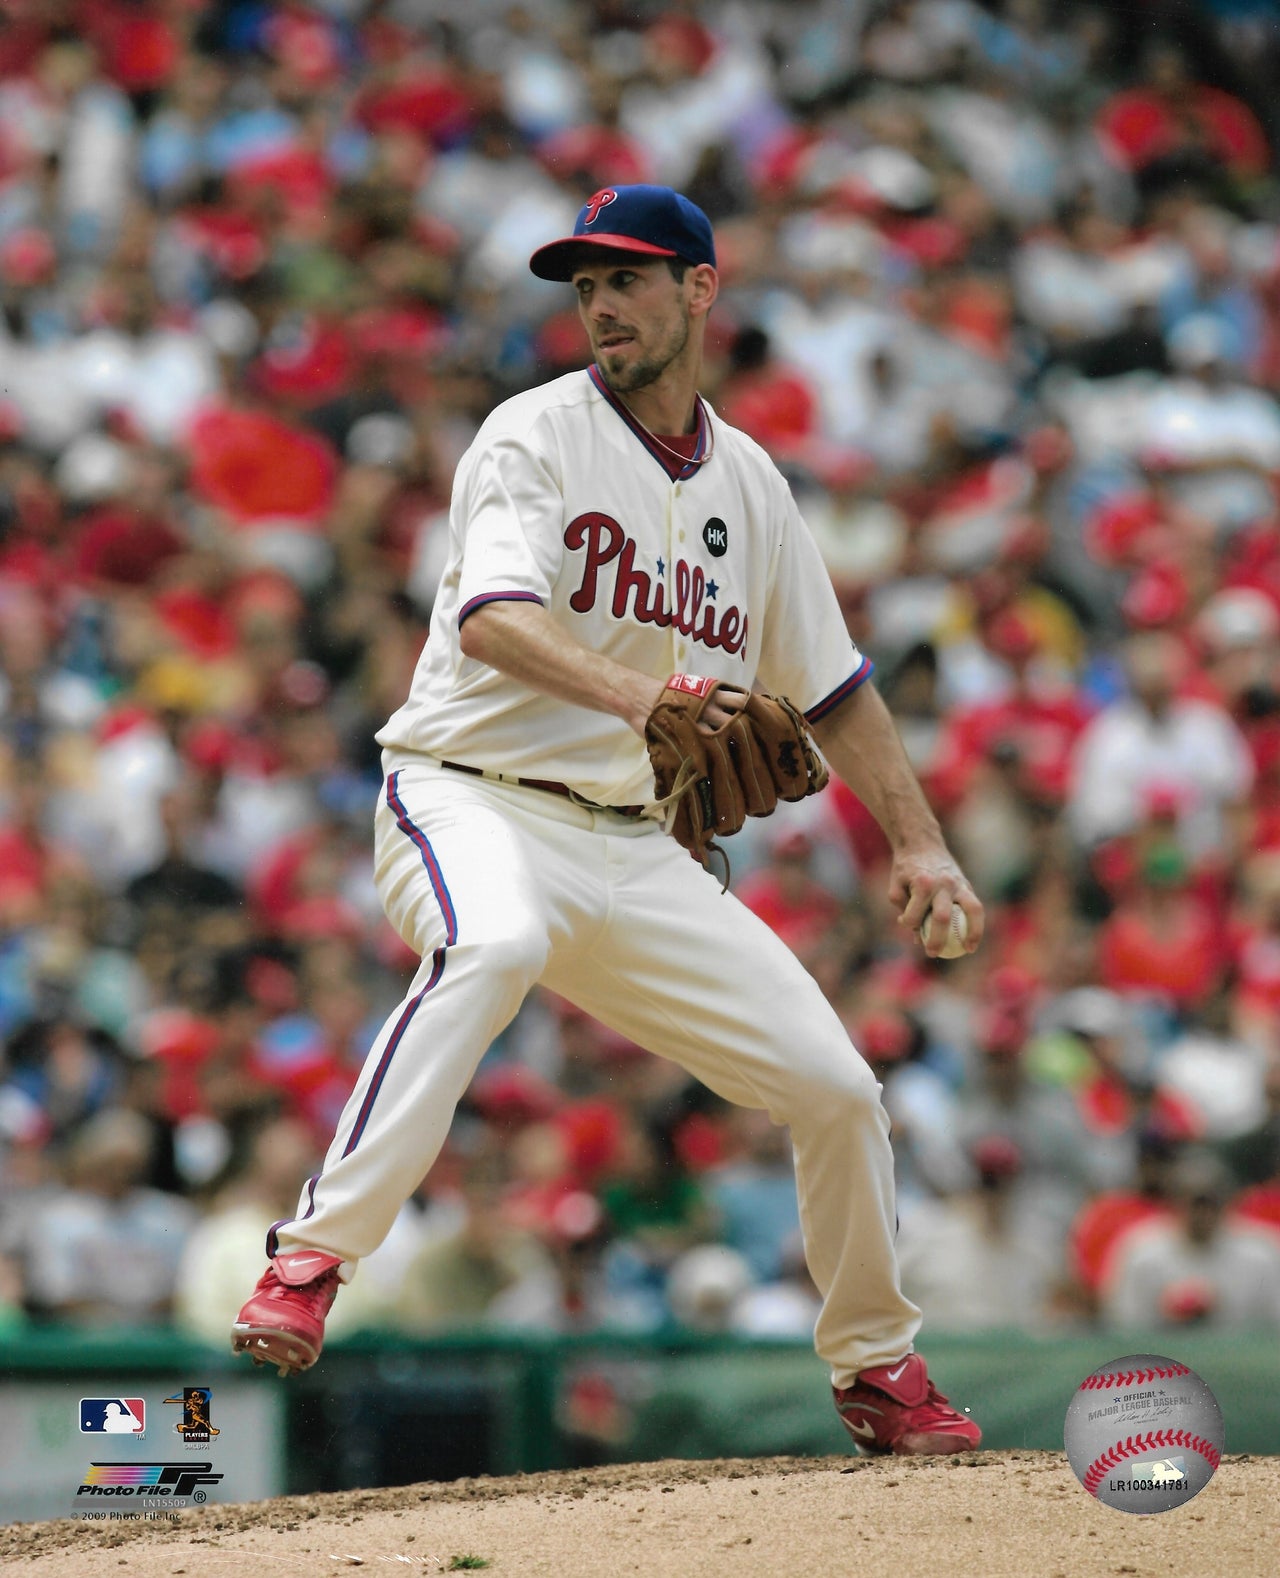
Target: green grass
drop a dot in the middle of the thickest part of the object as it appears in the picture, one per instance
(465, 1563)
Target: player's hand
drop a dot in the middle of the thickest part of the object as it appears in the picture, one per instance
(928, 881)
(724, 704)
(644, 696)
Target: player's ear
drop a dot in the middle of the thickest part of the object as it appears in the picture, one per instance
(704, 287)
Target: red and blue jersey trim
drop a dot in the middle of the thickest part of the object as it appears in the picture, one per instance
(273, 1247)
(440, 888)
(469, 607)
(422, 844)
(842, 692)
(676, 467)
(389, 1052)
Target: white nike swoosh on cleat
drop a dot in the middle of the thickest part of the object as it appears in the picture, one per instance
(293, 1261)
(864, 1432)
(894, 1374)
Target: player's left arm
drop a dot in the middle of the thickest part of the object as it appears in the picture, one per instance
(856, 734)
(861, 743)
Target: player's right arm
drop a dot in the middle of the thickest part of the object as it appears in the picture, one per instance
(523, 641)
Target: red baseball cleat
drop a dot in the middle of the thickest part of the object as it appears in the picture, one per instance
(897, 1408)
(283, 1321)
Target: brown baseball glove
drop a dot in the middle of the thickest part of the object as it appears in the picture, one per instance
(716, 780)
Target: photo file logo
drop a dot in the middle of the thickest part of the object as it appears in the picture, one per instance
(149, 1479)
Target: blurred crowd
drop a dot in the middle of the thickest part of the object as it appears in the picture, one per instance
(1001, 295)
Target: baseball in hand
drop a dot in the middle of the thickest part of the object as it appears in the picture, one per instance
(957, 934)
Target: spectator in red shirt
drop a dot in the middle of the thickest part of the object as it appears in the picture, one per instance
(1163, 941)
(1116, 1099)
(786, 895)
(129, 537)
(1103, 1224)
(1199, 1267)
(1039, 718)
(1169, 113)
(599, 151)
(30, 861)
(769, 400)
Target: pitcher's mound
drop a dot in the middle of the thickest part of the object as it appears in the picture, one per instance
(999, 1514)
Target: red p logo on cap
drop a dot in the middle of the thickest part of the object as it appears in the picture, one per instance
(601, 200)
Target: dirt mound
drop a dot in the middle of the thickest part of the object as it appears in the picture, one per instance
(1003, 1514)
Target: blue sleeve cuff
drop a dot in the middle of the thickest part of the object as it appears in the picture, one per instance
(842, 692)
(469, 608)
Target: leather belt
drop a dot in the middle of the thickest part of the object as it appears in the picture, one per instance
(548, 785)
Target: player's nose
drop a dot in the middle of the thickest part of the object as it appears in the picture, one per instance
(602, 308)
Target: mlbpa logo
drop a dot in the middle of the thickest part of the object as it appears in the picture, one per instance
(112, 1416)
(601, 200)
(195, 1427)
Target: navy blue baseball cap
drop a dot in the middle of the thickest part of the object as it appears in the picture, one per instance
(647, 219)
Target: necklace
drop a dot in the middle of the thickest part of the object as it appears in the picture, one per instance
(685, 460)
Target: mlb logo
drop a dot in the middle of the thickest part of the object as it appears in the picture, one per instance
(1161, 1471)
(112, 1416)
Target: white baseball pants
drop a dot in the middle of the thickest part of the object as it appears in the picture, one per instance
(499, 887)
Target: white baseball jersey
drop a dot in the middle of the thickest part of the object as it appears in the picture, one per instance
(666, 566)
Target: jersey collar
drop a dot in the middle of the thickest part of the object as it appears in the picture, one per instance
(676, 467)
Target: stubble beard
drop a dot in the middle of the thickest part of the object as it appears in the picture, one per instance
(637, 375)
